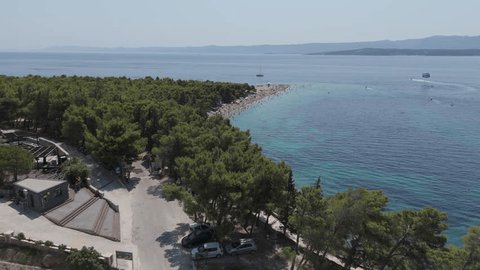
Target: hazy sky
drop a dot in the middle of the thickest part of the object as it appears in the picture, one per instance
(135, 23)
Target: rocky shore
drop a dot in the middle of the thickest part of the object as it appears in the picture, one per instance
(262, 91)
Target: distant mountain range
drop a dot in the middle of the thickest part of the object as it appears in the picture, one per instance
(430, 43)
(391, 52)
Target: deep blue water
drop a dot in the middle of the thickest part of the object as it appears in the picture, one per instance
(354, 121)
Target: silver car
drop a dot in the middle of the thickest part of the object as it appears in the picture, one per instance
(242, 246)
(208, 250)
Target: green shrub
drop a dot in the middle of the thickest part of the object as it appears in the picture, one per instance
(22, 258)
(21, 236)
(48, 243)
(86, 258)
(62, 247)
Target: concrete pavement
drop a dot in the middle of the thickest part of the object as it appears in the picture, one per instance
(158, 225)
(35, 226)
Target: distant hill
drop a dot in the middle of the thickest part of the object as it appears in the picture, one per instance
(390, 52)
(435, 42)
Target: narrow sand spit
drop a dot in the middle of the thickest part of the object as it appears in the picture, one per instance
(262, 91)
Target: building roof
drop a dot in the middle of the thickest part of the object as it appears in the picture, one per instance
(38, 185)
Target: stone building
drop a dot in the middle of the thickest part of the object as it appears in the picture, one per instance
(41, 194)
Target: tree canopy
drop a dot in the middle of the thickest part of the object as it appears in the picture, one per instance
(115, 118)
(75, 170)
(14, 160)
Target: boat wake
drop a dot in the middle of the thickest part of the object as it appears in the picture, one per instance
(456, 85)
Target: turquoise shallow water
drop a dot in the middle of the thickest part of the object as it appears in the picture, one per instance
(418, 141)
(420, 144)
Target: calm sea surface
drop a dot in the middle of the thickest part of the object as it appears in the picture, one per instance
(354, 121)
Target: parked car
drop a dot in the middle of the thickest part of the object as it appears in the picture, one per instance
(241, 246)
(197, 238)
(208, 250)
(200, 226)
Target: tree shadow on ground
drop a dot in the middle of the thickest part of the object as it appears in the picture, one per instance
(156, 191)
(132, 183)
(267, 257)
(177, 256)
(270, 244)
(172, 237)
(146, 164)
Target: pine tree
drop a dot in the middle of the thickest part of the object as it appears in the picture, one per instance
(289, 203)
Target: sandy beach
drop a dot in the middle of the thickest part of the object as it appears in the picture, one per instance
(262, 91)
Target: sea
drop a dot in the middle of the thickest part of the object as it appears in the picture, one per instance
(353, 121)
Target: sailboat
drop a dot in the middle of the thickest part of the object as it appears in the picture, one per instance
(260, 74)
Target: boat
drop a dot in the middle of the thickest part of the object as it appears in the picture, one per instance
(260, 74)
(426, 75)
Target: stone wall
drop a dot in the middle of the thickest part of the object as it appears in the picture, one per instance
(100, 194)
(9, 238)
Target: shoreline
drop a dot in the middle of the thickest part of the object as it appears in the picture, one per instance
(262, 91)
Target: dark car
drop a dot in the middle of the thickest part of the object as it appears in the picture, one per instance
(200, 226)
(197, 238)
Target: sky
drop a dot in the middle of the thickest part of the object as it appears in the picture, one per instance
(34, 24)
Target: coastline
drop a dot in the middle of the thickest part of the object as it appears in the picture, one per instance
(262, 91)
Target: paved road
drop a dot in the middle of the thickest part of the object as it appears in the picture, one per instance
(158, 225)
